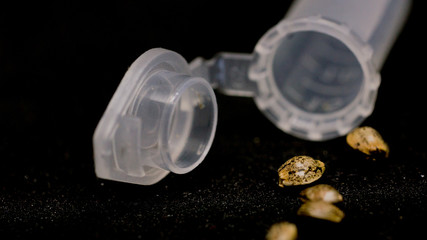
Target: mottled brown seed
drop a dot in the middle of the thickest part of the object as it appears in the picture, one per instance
(300, 170)
(321, 192)
(368, 141)
(321, 210)
(282, 231)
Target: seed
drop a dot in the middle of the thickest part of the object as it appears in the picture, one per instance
(321, 210)
(300, 170)
(282, 231)
(321, 192)
(368, 141)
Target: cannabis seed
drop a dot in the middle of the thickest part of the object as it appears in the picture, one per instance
(321, 192)
(300, 170)
(321, 210)
(368, 141)
(282, 231)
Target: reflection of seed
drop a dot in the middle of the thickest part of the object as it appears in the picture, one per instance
(300, 170)
(200, 101)
(321, 210)
(368, 141)
(321, 192)
(282, 231)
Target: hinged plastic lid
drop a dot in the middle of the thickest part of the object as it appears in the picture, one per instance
(160, 119)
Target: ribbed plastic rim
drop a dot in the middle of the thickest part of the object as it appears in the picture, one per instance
(297, 122)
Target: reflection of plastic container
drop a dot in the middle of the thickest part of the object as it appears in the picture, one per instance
(315, 75)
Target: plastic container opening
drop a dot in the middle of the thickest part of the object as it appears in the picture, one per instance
(315, 72)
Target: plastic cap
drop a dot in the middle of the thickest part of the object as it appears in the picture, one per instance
(160, 119)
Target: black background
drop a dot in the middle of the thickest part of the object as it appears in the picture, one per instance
(60, 63)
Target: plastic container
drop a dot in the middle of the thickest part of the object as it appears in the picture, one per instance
(315, 75)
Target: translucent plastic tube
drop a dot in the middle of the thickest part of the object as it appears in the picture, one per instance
(315, 75)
